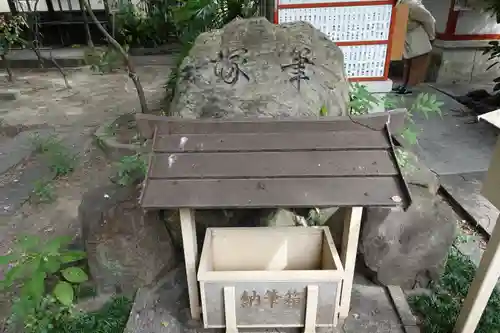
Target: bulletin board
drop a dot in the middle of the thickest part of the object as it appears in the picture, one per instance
(362, 29)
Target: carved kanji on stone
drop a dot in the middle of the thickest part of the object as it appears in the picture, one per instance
(227, 65)
(300, 58)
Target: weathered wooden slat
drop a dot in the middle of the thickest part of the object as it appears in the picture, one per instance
(269, 193)
(171, 125)
(247, 142)
(272, 164)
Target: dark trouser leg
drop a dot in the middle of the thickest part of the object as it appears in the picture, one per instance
(418, 69)
(406, 74)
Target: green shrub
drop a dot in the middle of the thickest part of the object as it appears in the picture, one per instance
(46, 276)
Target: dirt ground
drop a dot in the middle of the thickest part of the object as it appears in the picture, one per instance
(76, 113)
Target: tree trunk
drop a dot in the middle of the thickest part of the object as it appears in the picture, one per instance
(90, 42)
(131, 69)
(7, 68)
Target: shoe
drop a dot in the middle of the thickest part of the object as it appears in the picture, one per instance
(404, 91)
(397, 88)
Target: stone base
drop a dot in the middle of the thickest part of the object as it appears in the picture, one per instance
(462, 62)
(163, 308)
(380, 90)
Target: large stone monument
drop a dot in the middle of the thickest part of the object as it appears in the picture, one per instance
(253, 68)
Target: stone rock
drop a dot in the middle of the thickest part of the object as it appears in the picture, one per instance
(9, 94)
(409, 248)
(215, 218)
(126, 248)
(242, 70)
(163, 307)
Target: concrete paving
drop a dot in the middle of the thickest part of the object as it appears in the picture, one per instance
(461, 89)
(448, 145)
(465, 191)
(458, 152)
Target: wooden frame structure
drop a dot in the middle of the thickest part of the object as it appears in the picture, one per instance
(312, 267)
(488, 272)
(272, 163)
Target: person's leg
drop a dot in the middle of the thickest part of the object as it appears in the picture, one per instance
(406, 72)
(403, 89)
(418, 71)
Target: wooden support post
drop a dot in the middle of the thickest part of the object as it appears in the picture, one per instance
(311, 309)
(481, 288)
(350, 237)
(188, 229)
(230, 309)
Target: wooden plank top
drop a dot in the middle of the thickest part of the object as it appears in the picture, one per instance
(171, 125)
(282, 163)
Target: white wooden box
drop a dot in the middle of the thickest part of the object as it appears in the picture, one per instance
(269, 277)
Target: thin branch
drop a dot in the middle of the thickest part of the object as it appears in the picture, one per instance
(130, 66)
(41, 59)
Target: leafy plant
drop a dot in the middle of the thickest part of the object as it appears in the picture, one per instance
(11, 29)
(193, 17)
(425, 104)
(111, 318)
(61, 161)
(361, 100)
(43, 191)
(492, 6)
(151, 26)
(106, 60)
(440, 310)
(494, 54)
(131, 169)
(37, 267)
(59, 158)
(42, 144)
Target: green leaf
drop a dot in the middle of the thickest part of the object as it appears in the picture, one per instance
(63, 291)
(53, 246)
(36, 285)
(12, 274)
(72, 256)
(28, 242)
(74, 274)
(30, 266)
(51, 264)
(323, 111)
(6, 259)
(410, 136)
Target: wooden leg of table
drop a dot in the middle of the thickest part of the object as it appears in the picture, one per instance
(188, 229)
(230, 309)
(350, 237)
(311, 309)
(481, 288)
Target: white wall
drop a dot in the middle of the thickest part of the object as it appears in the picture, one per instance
(470, 22)
(439, 9)
(4, 6)
(476, 22)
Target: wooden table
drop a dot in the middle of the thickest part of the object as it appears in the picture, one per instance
(488, 272)
(270, 163)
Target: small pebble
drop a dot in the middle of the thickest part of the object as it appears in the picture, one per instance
(396, 198)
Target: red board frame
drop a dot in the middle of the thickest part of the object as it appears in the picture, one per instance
(451, 27)
(387, 42)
